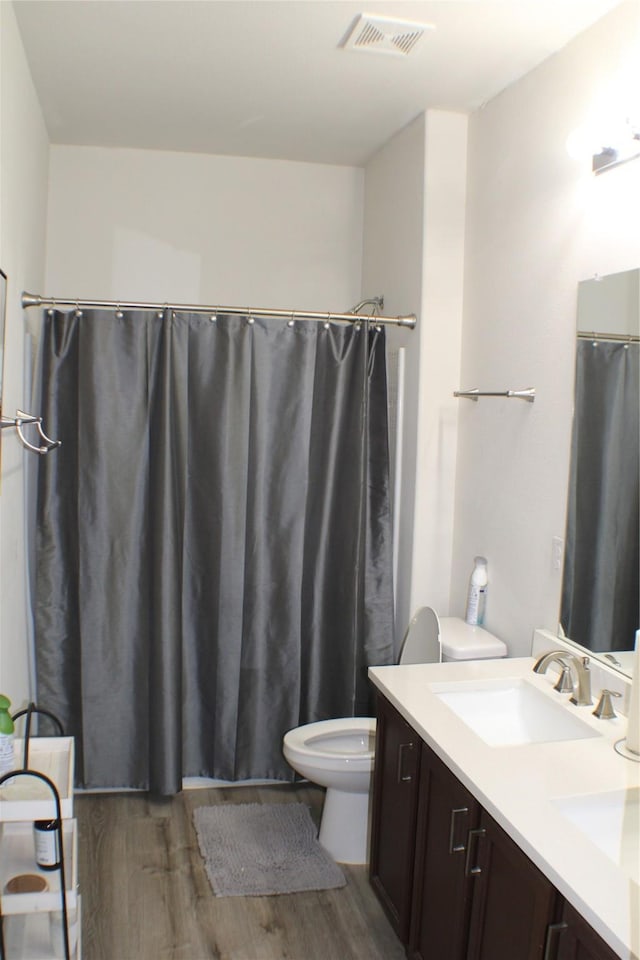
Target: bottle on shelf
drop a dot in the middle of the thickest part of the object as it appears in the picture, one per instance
(46, 836)
(477, 594)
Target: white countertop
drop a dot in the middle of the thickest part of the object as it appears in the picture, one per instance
(517, 784)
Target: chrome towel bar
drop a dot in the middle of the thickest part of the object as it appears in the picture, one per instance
(529, 394)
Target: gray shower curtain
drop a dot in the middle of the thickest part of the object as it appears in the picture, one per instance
(601, 583)
(213, 555)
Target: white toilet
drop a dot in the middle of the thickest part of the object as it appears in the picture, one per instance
(338, 754)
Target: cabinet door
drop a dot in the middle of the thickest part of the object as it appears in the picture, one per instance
(441, 891)
(574, 939)
(395, 796)
(513, 902)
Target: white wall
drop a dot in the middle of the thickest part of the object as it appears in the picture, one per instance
(392, 266)
(149, 225)
(538, 222)
(440, 348)
(413, 253)
(23, 195)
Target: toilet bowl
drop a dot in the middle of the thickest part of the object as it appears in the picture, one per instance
(338, 754)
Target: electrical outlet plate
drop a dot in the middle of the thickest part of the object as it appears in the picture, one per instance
(557, 553)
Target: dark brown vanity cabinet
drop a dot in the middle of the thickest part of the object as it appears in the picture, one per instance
(454, 885)
(573, 939)
(476, 895)
(447, 815)
(513, 904)
(393, 815)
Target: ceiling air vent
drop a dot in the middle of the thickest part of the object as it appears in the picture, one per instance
(385, 35)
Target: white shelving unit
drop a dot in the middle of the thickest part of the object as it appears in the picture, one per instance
(55, 758)
(27, 916)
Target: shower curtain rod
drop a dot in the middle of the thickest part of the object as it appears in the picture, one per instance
(621, 337)
(33, 300)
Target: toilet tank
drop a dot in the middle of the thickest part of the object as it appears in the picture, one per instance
(460, 641)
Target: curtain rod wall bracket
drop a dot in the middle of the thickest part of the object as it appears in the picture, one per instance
(19, 421)
(34, 300)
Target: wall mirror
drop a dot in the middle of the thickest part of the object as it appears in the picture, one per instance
(601, 579)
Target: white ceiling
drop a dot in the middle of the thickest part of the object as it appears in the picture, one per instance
(270, 78)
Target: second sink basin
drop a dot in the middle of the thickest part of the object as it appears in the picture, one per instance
(611, 820)
(512, 711)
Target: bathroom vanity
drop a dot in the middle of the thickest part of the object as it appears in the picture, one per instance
(480, 847)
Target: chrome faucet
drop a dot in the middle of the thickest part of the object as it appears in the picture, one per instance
(579, 666)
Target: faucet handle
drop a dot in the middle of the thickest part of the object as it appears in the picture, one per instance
(564, 683)
(604, 710)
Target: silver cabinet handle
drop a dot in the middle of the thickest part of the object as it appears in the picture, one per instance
(554, 932)
(474, 835)
(402, 776)
(453, 846)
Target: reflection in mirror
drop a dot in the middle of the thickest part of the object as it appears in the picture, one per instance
(601, 581)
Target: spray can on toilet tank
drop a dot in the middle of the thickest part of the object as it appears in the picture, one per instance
(477, 594)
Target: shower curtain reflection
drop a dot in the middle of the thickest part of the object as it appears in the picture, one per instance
(214, 549)
(601, 582)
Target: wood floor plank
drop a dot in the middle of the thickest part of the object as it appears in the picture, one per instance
(146, 895)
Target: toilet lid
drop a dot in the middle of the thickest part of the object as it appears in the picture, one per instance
(421, 642)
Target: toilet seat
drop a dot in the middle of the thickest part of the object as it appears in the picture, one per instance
(421, 642)
(348, 742)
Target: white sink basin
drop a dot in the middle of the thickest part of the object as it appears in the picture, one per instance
(611, 821)
(512, 711)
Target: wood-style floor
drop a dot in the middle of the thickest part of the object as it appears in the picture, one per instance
(146, 896)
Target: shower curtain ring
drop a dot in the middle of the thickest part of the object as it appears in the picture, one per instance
(290, 322)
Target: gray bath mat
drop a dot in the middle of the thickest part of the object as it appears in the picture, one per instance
(262, 849)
